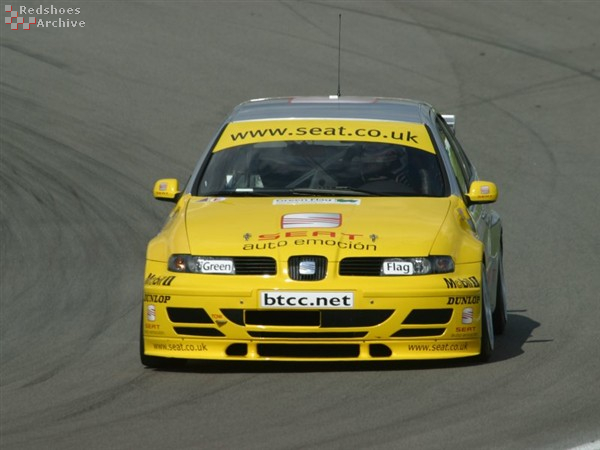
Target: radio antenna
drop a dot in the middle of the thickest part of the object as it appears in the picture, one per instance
(339, 91)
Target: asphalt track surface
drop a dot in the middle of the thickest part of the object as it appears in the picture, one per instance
(92, 116)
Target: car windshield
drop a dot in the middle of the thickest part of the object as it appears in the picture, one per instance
(284, 168)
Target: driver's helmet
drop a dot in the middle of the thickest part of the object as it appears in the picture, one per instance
(383, 160)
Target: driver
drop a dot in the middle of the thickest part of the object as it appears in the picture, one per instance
(384, 168)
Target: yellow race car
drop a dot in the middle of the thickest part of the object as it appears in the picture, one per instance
(332, 228)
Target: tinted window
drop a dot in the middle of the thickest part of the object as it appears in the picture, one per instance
(282, 168)
(460, 166)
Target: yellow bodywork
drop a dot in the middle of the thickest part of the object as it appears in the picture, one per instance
(367, 227)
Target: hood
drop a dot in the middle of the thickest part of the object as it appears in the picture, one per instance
(330, 226)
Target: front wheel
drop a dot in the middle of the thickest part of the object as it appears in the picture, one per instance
(487, 322)
(500, 312)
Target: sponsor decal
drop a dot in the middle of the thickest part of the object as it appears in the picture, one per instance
(465, 329)
(467, 315)
(151, 313)
(156, 280)
(152, 298)
(250, 132)
(201, 347)
(437, 347)
(293, 234)
(464, 335)
(462, 283)
(153, 330)
(316, 201)
(215, 266)
(219, 319)
(311, 220)
(468, 300)
(279, 299)
(349, 241)
(397, 267)
(277, 240)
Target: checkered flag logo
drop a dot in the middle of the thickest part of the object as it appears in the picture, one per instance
(14, 20)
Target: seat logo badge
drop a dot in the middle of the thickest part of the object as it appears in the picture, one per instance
(467, 315)
(311, 220)
(307, 267)
(151, 313)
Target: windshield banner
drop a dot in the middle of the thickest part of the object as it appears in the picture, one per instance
(402, 133)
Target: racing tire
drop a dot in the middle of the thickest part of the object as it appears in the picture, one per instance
(500, 315)
(156, 362)
(487, 322)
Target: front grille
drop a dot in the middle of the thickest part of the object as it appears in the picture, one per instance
(188, 315)
(307, 335)
(361, 267)
(428, 316)
(324, 318)
(308, 350)
(419, 332)
(351, 319)
(379, 351)
(285, 318)
(237, 350)
(307, 268)
(251, 265)
(198, 331)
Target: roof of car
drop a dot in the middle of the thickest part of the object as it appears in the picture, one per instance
(369, 108)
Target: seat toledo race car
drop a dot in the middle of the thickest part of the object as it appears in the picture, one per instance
(329, 228)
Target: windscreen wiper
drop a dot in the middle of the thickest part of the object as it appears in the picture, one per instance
(341, 191)
(237, 193)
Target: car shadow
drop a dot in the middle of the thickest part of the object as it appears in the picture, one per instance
(509, 345)
(519, 330)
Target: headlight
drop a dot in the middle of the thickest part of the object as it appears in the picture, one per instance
(417, 266)
(201, 264)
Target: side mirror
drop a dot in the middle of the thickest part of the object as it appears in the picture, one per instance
(482, 192)
(167, 189)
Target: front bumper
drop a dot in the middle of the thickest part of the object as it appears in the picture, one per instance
(192, 316)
